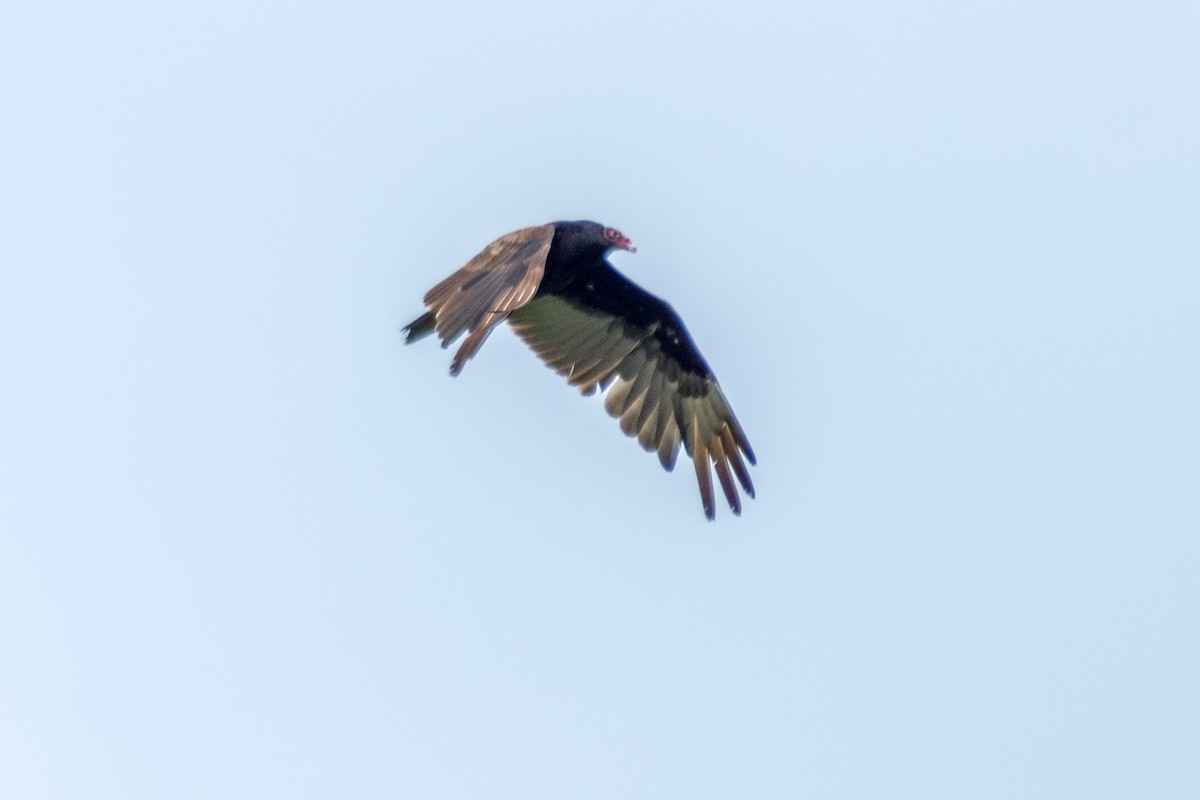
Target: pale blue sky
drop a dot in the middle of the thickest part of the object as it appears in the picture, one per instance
(944, 258)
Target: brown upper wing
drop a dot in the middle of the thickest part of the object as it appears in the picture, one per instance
(476, 298)
(658, 396)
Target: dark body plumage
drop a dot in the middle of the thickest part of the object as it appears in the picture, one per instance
(582, 276)
(594, 326)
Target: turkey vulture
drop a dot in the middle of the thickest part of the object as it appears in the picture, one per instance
(596, 328)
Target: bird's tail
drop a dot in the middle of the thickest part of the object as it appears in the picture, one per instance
(419, 328)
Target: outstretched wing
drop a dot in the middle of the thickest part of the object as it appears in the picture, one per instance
(605, 330)
(479, 296)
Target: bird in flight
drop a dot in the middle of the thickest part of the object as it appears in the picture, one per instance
(599, 330)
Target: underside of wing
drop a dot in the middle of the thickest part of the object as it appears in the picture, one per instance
(659, 387)
(476, 298)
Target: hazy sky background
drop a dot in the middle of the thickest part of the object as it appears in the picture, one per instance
(944, 258)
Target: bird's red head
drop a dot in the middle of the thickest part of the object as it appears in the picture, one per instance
(614, 238)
